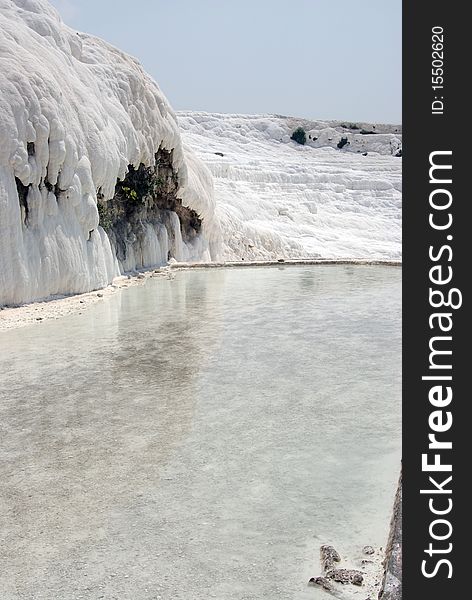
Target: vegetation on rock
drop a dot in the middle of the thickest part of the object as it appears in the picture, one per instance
(299, 136)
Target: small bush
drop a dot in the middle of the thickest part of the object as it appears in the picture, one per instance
(299, 136)
(160, 183)
(130, 194)
(342, 142)
(105, 219)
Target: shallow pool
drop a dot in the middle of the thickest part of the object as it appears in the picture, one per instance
(201, 437)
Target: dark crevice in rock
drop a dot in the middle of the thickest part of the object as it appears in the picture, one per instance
(23, 195)
(147, 195)
(30, 148)
(23, 198)
(342, 142)
(55, 189)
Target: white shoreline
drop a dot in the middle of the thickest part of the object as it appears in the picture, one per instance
(59, 306)
(289, 261)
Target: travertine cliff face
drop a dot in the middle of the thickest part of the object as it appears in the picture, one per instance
(79, 119)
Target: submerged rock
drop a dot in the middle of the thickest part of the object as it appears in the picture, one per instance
(321, 581)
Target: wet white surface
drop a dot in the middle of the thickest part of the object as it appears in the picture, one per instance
(201, 437)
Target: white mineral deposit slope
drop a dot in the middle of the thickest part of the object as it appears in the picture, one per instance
(74, 113)
(276, 198)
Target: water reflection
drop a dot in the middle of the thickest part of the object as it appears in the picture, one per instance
(200, 437)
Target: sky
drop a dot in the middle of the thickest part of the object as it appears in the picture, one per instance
(321, 59)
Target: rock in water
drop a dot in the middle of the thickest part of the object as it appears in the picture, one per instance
(321, 581)
(345, 576)
(329, 556)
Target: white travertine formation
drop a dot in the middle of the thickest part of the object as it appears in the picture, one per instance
(74, 113)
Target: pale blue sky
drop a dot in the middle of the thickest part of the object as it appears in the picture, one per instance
(338, 59)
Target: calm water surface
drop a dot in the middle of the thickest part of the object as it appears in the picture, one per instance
(201, 437)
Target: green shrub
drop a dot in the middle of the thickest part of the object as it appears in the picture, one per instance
(105, 219)
(299, 136)
(130, 194)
